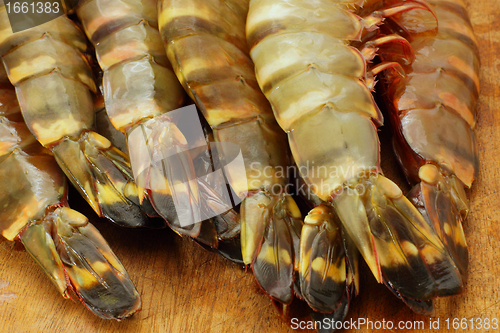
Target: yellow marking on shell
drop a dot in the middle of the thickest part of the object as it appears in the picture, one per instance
(394, 258)
(318, 215)
(92, 199)
(314, 219)
(49, 133)
(318, 265)
(100, 268)
(64, 229)
(302, 106)
(217, 116)
(190, 187)
(181, 186)
(268, 254)
(168, 15)
(266, 72)
(240, 185)
(429, 255)
(141, 193)
(292, 207)
(390, 255)
(255, 213)
(107, 195)
(25, 68)
(20, 221)
(74, 218)
(285, 257)
(320, 210)
(117, 55)
(85, 79)
(120, 187)
(409, 248)
(247, 249)
(460, 238)
(131, 190)
(98, 140)
(341, 272)
(122, 118)
(428, 173)
(305, 253)
(447, 229)
(157, 181)
(303, 264)
(84, 279)
(193, 64)
(388, 188)
(350, 276)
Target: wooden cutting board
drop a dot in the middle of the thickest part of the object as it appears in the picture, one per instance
(186, 289)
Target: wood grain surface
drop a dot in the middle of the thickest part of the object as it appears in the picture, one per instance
(186, 289)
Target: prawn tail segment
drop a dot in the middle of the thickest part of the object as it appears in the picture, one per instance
(181, 179)
(401, 248)
(442, 201)
(102, 175)
(271, 226)
(327, 279)
(76, 258)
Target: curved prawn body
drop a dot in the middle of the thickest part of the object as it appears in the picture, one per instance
(35, 211)
(205, 42)
(318, 85)
(55, 87)
(433, 112)
(139, 89)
